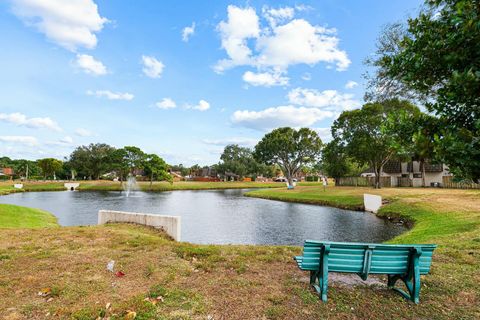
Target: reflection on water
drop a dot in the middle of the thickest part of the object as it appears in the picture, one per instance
(219, 216)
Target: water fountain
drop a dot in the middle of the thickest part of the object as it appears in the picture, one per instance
(130, 185)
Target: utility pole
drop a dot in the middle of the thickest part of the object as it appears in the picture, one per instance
(26, 173)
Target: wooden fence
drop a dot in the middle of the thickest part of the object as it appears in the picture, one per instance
(449, 183)
(385, 182)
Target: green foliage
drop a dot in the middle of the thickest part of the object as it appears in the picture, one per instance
(336, 163)
(437, 57)
(91, 161)
(363, 136)
(240, 161)
(290, 149)
(156, 168)
(49, 166)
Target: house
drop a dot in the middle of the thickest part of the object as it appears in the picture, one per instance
(409, 174)
(6, 172)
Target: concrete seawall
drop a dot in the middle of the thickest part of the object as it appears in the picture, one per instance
(170, 224)
(71, 185)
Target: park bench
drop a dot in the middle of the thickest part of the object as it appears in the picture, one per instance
(399, 262)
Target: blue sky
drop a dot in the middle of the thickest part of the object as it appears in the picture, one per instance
(179, 79)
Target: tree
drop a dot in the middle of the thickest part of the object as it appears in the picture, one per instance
(437, 57)
(91, 161)
(156, 168)
(290, 149)
(49, 166)
(133, 158)
(362, 133)
(414, 136)
(240, 161)
(335, 161)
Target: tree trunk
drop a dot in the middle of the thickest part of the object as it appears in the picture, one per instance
(378, 172)
(290, 181)
(151, 181)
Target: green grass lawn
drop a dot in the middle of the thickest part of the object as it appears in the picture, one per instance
(169, 280)
(104, 185)
(21, 217)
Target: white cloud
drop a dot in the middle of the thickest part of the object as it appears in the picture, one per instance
(324, 133)
(274, 16)
(166, 103)
(241, 25)
(83, 132)
(90, 65)
(246, 142)
(201, 106)
(26, 140)
(111, 95)
(299, 42)
(266, 79)
(284, 42)
(187, 32)
(36, 123)
(67, 140)
(275, 117)
(327, 99)
(70, 24)
(351, 84)
(152, 67)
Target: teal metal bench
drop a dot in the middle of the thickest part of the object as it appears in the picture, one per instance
(399, 262)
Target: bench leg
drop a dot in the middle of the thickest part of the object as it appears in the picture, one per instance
(313, 276)
(321, 275)
(411, 280)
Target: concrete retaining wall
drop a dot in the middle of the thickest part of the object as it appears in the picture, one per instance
(170, 224)
(372, 202)
(71, 185)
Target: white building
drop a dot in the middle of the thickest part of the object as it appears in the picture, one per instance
(409, 174)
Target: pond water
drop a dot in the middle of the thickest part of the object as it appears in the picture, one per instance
(219, 216)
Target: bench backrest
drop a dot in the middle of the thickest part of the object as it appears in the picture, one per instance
(366, 257)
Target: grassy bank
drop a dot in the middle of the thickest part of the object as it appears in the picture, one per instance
(13, 217)
(103, 185)
(168, 280)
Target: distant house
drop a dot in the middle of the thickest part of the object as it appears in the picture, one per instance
(6, 172)
(409, 174)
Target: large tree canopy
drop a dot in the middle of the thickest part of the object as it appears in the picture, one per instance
(363, 134)
(91, 161)
(156, 168)
(437, 56)
(49, 166)
(240, 161)
(290, 149)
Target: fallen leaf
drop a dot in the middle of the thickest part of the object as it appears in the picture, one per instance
(108, 305)
(45, 292)
(119, 274)
(130, 315)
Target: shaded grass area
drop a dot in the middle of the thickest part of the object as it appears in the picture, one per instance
(169, 280)
(12, 216)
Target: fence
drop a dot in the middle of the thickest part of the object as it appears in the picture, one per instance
(385, 182)
(449, 183)
(404, 182)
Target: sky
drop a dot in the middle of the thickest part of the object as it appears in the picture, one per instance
(179, 79)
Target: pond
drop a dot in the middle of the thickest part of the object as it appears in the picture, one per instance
(219, 216)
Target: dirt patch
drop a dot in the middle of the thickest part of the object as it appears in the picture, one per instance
(351, 280)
